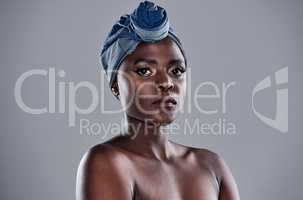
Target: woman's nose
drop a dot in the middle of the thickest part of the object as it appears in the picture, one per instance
(164, 82)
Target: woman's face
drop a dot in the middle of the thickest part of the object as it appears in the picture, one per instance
(152, 82)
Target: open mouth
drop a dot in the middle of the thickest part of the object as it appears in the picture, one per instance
(166, 100)
(170, 101)
(167, 103)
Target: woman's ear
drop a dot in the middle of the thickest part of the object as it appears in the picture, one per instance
(115, 89)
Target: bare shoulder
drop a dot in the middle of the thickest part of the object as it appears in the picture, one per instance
(210, 159)
(102, 156)
(103, 174)
(105, 155)
(206, 156)
(227, 183)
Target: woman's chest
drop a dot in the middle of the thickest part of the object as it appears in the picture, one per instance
(176, 182)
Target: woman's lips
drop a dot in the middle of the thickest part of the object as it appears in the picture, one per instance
(167, 102)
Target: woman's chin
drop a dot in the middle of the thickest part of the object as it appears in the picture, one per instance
(159, 118)
(164, 119)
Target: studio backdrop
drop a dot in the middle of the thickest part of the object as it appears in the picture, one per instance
(244, 91)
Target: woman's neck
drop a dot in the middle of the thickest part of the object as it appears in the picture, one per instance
(148, 138)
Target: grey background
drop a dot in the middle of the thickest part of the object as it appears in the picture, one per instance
(241, 41)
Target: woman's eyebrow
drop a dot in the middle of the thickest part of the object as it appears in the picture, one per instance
(145, 60)
(152, 61)
(176, 61)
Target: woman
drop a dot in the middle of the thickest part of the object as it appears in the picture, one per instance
(146, 66)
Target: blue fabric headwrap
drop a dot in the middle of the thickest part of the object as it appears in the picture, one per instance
(147, 23)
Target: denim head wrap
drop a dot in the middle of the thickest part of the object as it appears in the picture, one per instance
(147, 23)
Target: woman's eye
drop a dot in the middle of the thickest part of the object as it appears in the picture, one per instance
(144, 71)
(178, 71)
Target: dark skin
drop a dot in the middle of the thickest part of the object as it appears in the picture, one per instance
(143, 163)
